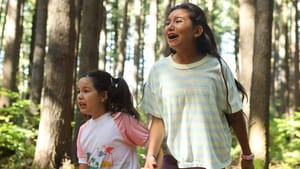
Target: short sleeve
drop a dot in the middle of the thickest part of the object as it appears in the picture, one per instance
(234, 96)
(151, 102)
(80, 153)
(133, 132)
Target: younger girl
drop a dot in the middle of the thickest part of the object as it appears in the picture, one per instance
(110, 137)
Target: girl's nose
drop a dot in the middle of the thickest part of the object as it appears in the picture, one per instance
(170, 26)
(79, 95)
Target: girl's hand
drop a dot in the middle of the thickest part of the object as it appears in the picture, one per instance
(150, 163)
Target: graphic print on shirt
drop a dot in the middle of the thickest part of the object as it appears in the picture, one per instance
(101, 158)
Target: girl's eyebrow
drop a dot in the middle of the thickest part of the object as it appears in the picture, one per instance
(177, 17)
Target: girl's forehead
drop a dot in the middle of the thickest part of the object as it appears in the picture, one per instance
(85, 81)
(179, 13)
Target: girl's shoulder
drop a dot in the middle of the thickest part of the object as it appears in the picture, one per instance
(132, 130)
(120, 118)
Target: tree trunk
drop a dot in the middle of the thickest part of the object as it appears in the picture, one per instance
(103, 38)
(54, 141)
(151, 36)
(123, 41)
(260, 84)
(89, 51)
(284, 73)
(13, 36)
(77, 116)
(90, 30)
(3, 24)
(137, 43)
(295, 53)
(162, 45)
(37, 68)
(246, 47)
(274, 62)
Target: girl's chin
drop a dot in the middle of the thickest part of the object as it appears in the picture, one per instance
(86, 113)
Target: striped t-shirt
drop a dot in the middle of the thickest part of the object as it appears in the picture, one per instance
(192, 101)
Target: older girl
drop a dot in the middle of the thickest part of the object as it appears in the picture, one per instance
(193, 98)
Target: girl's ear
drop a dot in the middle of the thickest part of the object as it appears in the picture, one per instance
(198, 31)
(104, 96)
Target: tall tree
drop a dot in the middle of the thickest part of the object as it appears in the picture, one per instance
(284, 57)
(3, 23)
(161, 42)
(295, 53)
(89, 51)
(77, 116)
(122, 43)
(103, 39)
(115, 36)
(55, 133)
(151, 36)
(13, 35)
(37, 72)
(260, 84)
(90, 34)
(137, 43)
(246, 46)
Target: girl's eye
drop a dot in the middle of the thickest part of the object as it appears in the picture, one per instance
(178, 21)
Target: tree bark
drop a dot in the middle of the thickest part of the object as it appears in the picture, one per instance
(260, 84)
(103, 38)
(123, 41)
(13, 36)
(246, 47)
(137, 43)
(151, 36)
(89, 51)
(37, 68)
(54, 141)
(295, 53)
(90, 34)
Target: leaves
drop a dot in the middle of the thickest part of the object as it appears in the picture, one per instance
(285, 139)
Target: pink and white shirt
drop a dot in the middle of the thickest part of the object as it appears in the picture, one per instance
(109, 142)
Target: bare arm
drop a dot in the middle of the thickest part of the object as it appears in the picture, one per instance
(238, 125)
(157, 134)
(83, 166)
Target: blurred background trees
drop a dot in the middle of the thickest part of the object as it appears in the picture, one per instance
(45, 44)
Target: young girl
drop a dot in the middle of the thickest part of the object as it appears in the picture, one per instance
(109, 138)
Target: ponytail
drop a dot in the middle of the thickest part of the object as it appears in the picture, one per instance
(120, 98)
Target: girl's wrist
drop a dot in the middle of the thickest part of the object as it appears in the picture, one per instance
(247, 156)
(151, 155)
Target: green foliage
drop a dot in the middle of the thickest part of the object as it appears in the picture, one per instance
(258, 163)
(285, 141)
(141, 151)
(17, 133)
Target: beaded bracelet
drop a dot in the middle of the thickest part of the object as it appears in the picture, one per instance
(247, 157)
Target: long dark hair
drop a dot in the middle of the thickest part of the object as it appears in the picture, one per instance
(206, 43)
(119, 96)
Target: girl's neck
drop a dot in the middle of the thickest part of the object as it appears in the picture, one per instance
(187, 57)
(98, 114)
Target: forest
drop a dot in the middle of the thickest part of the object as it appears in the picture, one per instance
(46, 44)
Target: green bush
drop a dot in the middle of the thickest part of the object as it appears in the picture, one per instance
(285, 141)
(17, 133)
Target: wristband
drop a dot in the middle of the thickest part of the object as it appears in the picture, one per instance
(247, 157)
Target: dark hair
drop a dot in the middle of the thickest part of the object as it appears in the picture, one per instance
(119, 96)
(206, 43)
